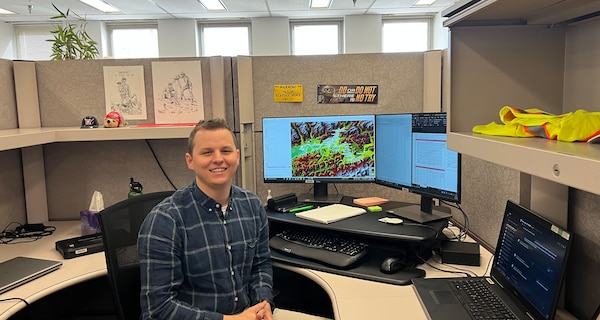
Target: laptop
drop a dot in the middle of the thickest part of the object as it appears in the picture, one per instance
(20, 270)
(331, 213)
(527, 271)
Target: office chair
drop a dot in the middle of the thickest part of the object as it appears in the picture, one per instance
(120, 224)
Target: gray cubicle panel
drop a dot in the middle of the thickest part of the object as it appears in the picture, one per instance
(8, 104)
(398, 75)
(12, 198)
(70, 90)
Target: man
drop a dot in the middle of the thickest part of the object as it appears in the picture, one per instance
(204, 251)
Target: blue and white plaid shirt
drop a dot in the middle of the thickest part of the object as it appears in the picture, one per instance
(197, 263)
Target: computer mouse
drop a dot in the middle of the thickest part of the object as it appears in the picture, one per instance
(392, 265)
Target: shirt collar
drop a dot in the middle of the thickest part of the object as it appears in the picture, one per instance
(206, 201)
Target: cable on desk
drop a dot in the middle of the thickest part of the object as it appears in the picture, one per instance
(25, 233)
(463, 233)
(159, 164)
(487, 268)
(19, 299)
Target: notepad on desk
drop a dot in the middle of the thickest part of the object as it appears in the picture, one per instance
(331, 213)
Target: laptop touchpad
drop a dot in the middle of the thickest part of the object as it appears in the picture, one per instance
(443, 297)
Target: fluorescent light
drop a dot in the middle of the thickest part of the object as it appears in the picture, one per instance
(212, 5)
(3, 11)
(100, 5)
(320, 3)
(424, 3)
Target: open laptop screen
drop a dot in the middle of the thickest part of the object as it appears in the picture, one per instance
(531, 257)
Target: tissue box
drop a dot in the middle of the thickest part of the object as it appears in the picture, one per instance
(89, 222)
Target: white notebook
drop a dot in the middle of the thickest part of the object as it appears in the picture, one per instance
(331, 213)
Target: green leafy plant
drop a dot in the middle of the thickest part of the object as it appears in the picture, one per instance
(71, 41)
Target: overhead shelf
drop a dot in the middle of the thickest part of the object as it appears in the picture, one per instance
(19, 138)
(546, 12)
(574, 164)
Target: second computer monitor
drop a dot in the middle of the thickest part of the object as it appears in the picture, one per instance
(412, 155)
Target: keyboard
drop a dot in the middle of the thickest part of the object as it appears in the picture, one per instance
(333, 250)
(480, 301)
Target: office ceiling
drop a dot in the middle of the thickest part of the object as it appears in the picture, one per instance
(42, 10)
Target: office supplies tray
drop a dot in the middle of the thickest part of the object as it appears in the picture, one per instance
(80, 246)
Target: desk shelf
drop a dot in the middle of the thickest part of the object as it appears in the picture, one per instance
(572, 164)
(385, 240)
(20, 138)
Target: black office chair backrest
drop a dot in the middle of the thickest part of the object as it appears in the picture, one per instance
(120, 224)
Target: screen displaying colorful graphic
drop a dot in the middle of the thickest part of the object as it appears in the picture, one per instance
(333, 148)
(328, 148)
(319, 149)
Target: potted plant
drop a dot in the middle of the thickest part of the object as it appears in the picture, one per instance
(71, 41)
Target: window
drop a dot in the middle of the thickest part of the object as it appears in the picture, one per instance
(225, 39)
(407, 35)
(133, 41)
(31, 42)
(316, 37)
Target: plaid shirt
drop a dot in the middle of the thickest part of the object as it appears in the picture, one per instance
(197, 263)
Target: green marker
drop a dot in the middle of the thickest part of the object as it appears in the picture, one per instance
(301, 209)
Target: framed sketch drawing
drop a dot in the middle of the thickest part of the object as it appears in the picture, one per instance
(125, 92)
(177, 91)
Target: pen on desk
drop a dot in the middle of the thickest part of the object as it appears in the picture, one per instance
(304, 208)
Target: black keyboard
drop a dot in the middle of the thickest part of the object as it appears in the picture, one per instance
(322, 247)
(480, 301)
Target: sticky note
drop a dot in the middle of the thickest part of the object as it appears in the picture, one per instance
(374, 208)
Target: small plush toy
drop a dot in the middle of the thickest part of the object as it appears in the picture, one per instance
(113, 120)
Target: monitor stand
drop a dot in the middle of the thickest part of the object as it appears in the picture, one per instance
(320, 195)
(326, 199)
(426, 212)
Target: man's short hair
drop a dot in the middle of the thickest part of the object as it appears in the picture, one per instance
(211, 124)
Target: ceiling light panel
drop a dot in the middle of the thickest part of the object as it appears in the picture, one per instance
(4, 11)
(420, 3)
(213, 5)
(101, 5)
(320, 4)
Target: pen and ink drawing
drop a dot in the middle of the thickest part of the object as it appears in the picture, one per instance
(177, 91)
(125, 92)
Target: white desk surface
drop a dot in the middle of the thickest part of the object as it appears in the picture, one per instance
(352, 298)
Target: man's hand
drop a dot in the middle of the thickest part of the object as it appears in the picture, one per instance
(265, 312)
(259, 311)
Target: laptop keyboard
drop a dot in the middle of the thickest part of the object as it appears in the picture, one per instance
(480, 301)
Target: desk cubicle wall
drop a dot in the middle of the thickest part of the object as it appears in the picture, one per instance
(401, 81)
(12, 199)
(400, 78)
(69, 90)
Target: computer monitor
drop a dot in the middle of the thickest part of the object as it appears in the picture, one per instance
(319, 150)
(412, 155)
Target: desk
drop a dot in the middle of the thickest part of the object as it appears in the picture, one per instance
(73, 271)
(348, 301)
(352, 299)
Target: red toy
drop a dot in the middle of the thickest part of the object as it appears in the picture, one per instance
(113, 120)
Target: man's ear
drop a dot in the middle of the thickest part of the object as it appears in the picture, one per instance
(188, 160)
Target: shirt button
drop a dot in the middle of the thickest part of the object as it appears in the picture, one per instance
(228, 247)
(232, 273)
(235, 299)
